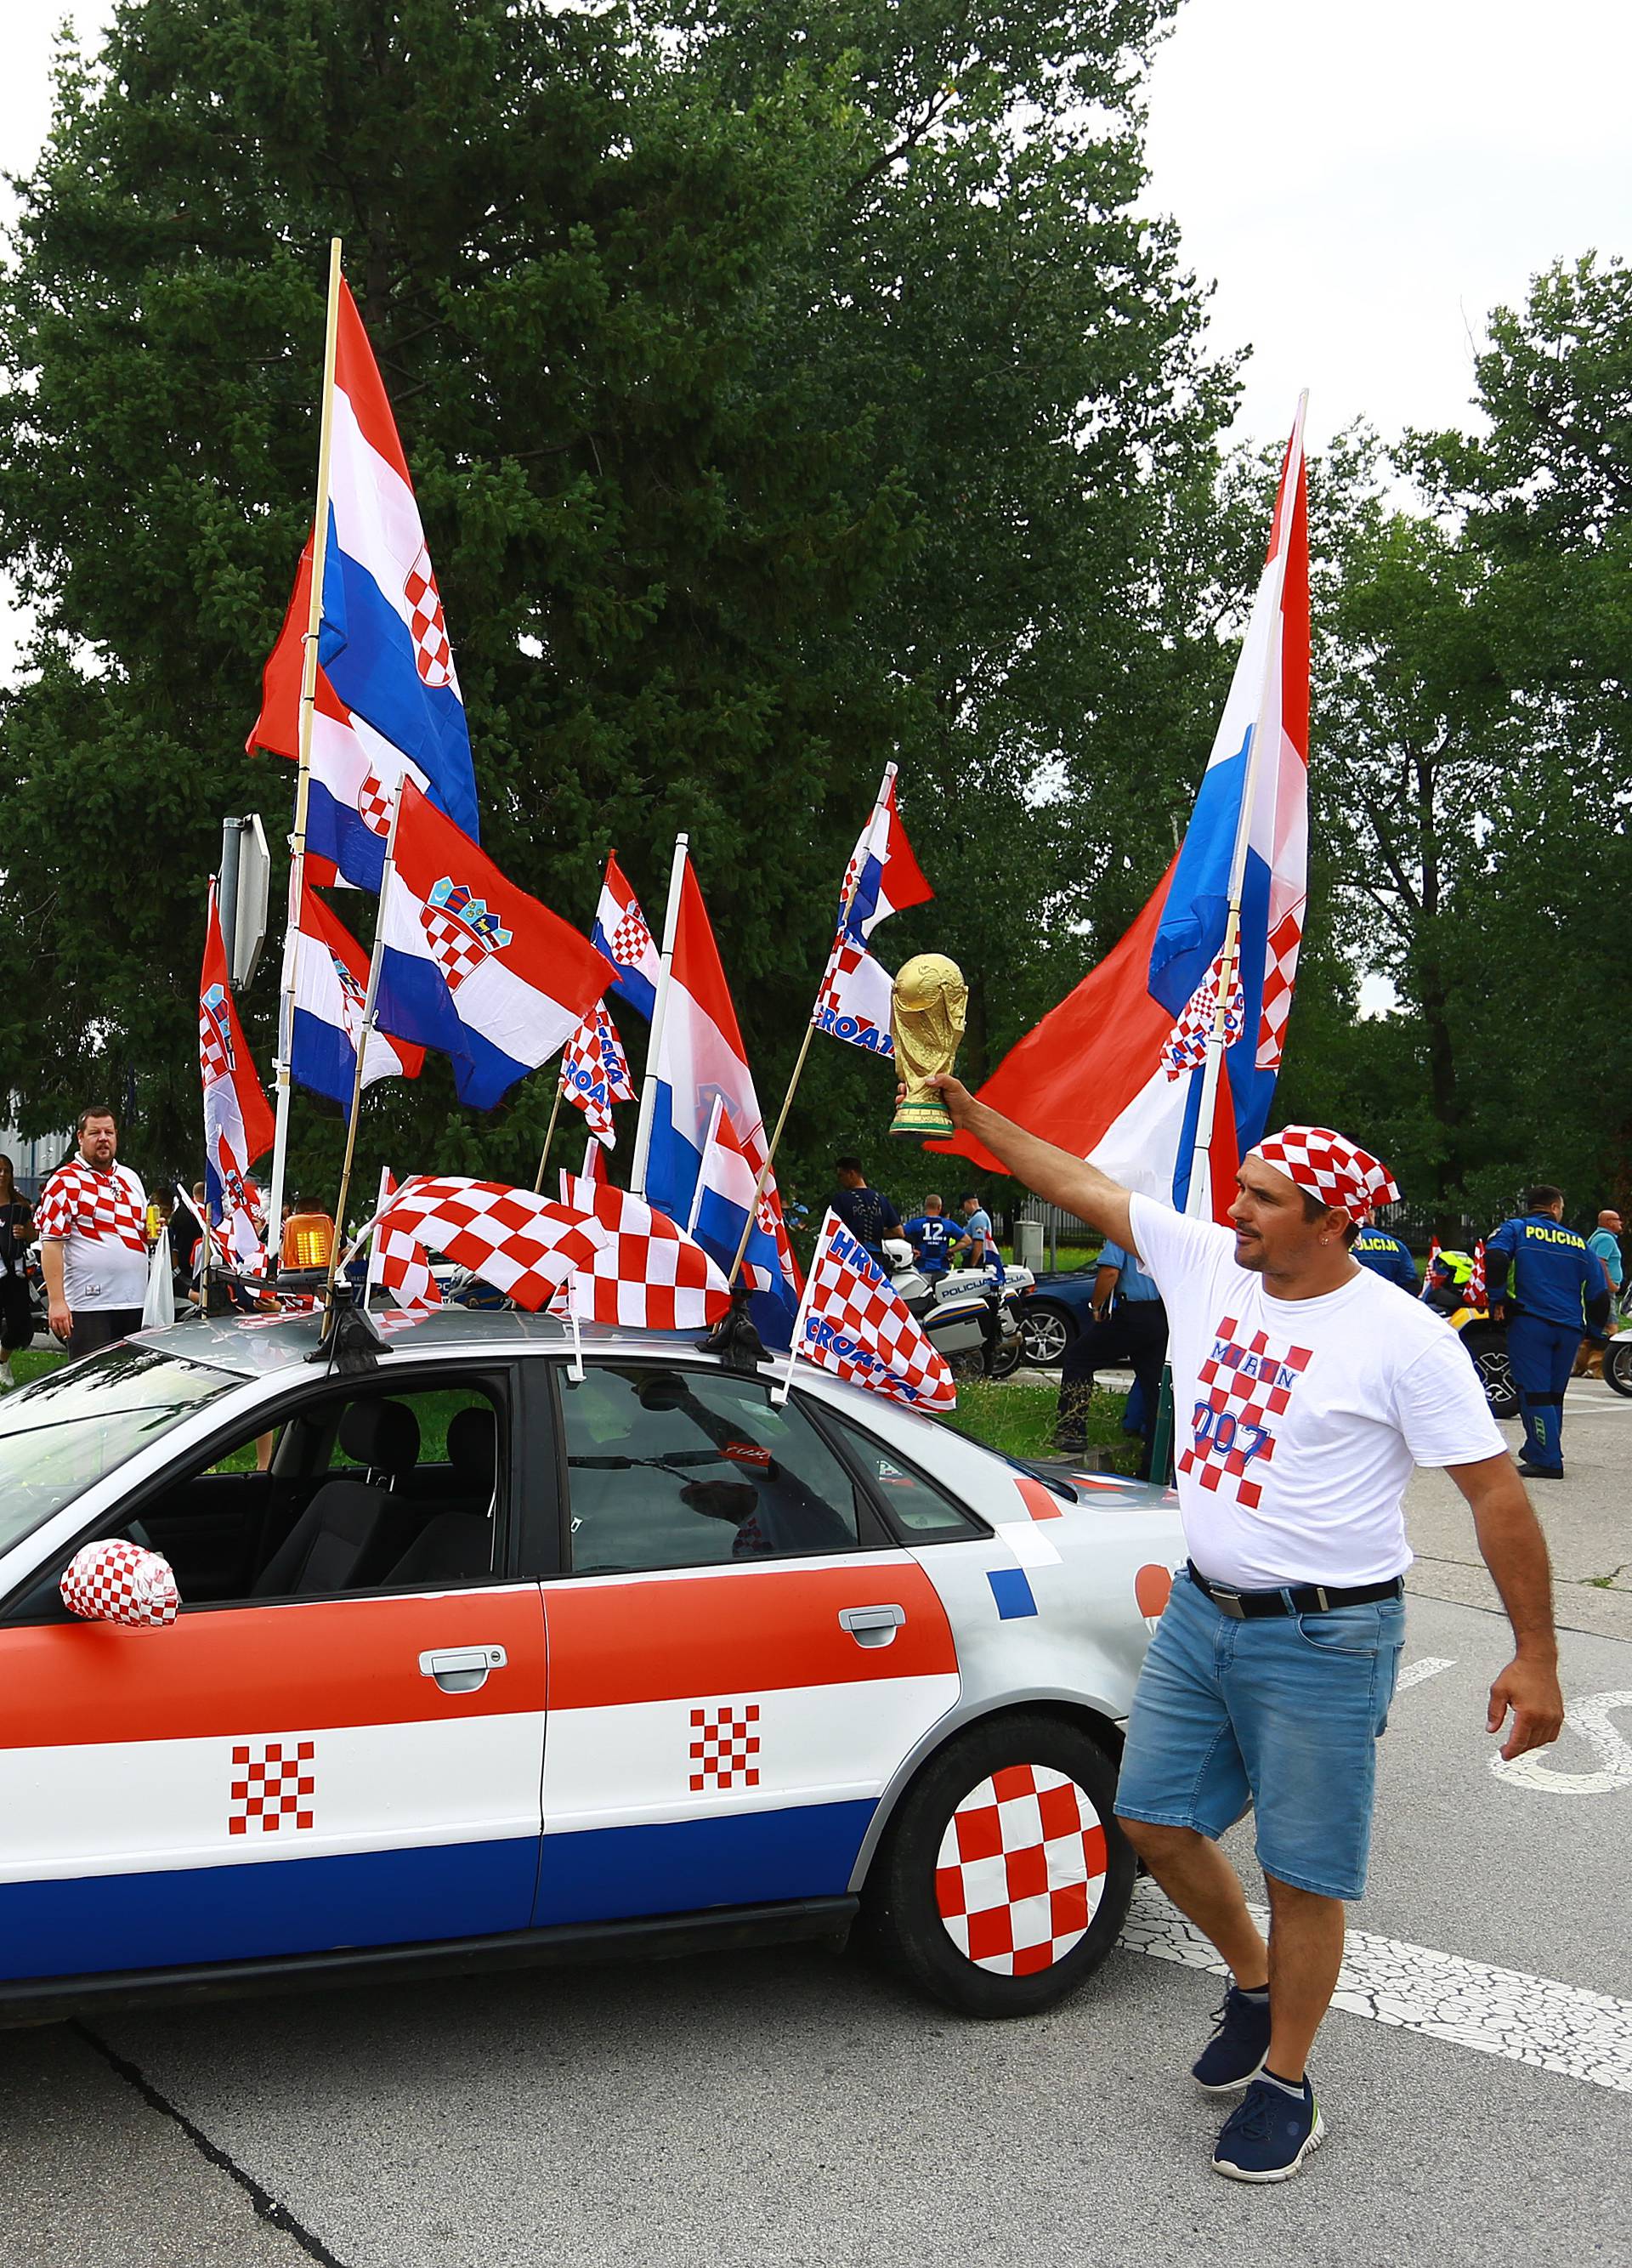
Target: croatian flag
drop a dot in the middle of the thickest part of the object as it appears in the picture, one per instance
(647, 1274)
(722, 1203)
(238, 1120)
(521, 1244)
(472, 966)
(387, 703)
(854, 1323)
(1116, 1071)
(621, 933)
(330, 988)
(882, 879)
(594, 1074)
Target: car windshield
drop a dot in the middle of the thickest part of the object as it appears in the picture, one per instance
(69, 1427)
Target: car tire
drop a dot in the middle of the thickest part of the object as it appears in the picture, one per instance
(1487, 1347)
(1045, 1330)
(924, 1892)
(1618, 1366)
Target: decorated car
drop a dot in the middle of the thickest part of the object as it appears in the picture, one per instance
(486, 1648)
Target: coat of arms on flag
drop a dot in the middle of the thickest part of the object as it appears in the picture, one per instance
(460, 930)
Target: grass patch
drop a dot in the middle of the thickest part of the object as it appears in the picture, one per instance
(1017, 1417)
(33, 1362)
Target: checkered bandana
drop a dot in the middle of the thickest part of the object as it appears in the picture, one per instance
(120, 1582)
(648, 1273)
(1020, 1870)
(1331, 1167)
(517, 1241)
(855, 1326)
(79, 1201)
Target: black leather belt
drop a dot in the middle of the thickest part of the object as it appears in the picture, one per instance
(1291, 1598)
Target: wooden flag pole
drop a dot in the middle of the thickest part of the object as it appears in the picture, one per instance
(366, 1025)
(549, 1136)
(303, 775)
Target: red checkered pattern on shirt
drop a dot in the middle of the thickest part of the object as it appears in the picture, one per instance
(513, 1239)
(119, 1582)
(857, 1327)
(77, 1201)
(1186, 1045)
(1021, 1870)
(433, 656)
(1280, 975)
(374, 806)
(458, 949)
(1243, 1385)
(272, 1790)
(725, 1746)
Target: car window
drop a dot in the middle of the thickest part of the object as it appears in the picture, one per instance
(915, 1508)
(69, 1428)
(689, 1468)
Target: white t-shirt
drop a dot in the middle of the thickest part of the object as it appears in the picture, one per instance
(99, 1220)
(1296, 1422)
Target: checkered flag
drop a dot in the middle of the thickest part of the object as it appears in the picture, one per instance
(1185, 1047)
(852, 1323)
(647, 1273)
(594, 1073)
(520, 1242)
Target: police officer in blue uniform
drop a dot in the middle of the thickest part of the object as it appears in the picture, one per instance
(1129, 1325)
(932, 1236)
(1386, 1256)
(1557, 1295)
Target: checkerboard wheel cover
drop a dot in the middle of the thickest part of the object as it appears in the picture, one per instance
(1020, 1871)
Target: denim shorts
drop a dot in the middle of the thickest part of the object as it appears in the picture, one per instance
(1282, 1713)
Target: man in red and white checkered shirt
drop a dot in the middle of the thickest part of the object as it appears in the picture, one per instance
(93, 1240)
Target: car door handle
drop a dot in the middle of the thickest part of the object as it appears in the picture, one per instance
(461, 1668)
(872, 1625)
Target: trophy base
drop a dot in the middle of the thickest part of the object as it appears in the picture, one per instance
(922, 1119)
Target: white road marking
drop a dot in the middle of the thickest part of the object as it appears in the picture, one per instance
(1497, 2011)
(1415, 1673)
(1590, 1717)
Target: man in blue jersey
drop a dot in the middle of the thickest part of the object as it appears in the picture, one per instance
(1557, 1294)
(1386, 1256)
(932, 1236)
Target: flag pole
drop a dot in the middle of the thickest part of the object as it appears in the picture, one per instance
(660, 1012)
(549, 1136)
(366, 1025)
(1201, 1151)
(780, 1392)
(302, 775)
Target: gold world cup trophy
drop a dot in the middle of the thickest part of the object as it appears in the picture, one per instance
(928, 1008)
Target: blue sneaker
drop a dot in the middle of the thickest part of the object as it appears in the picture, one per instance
(1269, 2133)
(1239, 2043)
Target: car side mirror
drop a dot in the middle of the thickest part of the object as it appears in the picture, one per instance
(116, 1581)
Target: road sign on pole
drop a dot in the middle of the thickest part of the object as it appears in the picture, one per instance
(246, 878)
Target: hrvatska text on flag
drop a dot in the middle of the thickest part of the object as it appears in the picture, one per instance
(331, 984)
(853, 1323)
(882, 879)
(472, 966)
(1117, 1071)
(238, 1120)
(594, 1074)
(621, 933)
(523, 1244)
(647, 1273)
(389, 702)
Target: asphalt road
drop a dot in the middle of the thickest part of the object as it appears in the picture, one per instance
(798, 2107)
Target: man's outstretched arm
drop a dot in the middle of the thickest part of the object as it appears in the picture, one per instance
(1069, 1183)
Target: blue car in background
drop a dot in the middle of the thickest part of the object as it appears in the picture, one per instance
(1060, 1307)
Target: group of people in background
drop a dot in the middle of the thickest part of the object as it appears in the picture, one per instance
(938, 1241)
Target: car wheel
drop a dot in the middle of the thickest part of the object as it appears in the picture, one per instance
(1004, 1878)
(1618, 1366)
(1487, 1349)
(1046, 1331)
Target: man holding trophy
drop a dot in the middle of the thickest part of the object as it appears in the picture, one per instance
(1301, 1408)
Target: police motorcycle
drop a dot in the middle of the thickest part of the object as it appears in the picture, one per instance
(1484, 1338)
(967, 1317)
(1618, 1358)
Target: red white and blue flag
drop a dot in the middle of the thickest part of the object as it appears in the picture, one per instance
(472, 966)
(238, 1120)
(882, 879)
(388, 703)
(722, 1201)
(1117, 1073)
(853, 1323)
(622, 933)
(330, 988)
(594, 1073)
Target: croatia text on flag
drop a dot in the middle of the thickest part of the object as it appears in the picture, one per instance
(647, 1273)
(882, 879)
(723, 1200)
(620, 932)
(1116, 1072)
(330, 985)
(594, 1074)
(238, 1120)
(521, 1244)
(472, 966)
(854, 1324)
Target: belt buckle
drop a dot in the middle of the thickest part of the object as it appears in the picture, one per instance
(1228, 1602)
